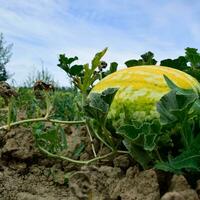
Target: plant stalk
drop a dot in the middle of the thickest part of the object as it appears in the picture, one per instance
(91, 140)
(86, 162)
(6, 127)
(10, 107)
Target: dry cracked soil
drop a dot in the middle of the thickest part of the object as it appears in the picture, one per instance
(27, 174)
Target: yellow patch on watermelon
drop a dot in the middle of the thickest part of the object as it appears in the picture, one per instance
(140, 88)
(150, 77)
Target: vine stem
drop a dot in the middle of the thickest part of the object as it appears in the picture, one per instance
(86, 162)
(4, 109)
(10, 106)
(5, 127)
(91, 140)
(103, 141)
(99, 137)
(158, 155)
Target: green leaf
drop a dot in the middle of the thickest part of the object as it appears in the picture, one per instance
(193, 57)
(76, 70)
(52, 139)
(86, 68)
(144, 135)
(62, 137)
(150, 139)
(97, 104)
(109, 94)
(141, 140)
(89, 75)
(150, 142)
(13, 110)
(71, 60)
(132, 63)
(138, 154)
(179, 90)
(174, 107)
(148, 58)
(178, 63)
(65, 62)
(113, 67)
(167, 63)
(195, 72)
(188, 160)
(96, 60)
(132, 133)
(77, 152)
(196, 108)
(96, 107)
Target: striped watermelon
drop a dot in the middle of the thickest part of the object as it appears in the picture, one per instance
(140, 88)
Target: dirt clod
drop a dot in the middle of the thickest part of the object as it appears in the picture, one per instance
(180, 185)
(173, 196)
(198, 188)
(19, 144)
(122, 161)
(27, 174)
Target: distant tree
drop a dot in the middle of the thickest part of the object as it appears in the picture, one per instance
(5, 55)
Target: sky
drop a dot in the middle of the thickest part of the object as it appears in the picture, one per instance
(40, 30)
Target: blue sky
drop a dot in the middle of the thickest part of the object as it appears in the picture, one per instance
(41, 30)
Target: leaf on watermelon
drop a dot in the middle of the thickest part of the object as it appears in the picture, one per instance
(188, 160)
(98, 104)
(178, 89)
(141, 140)
(174, 107)
(138, 154)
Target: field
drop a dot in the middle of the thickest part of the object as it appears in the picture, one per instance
(82, 143)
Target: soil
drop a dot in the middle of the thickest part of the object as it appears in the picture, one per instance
(27, 174)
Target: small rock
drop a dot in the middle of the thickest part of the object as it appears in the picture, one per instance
(110, 171)
(85, 156)
(28, 196)
(20, 145)
(19, 167)
(1, 176)
(189, 194)
(11, 145)
(178, 183)
(103, 151)
(137, 185)
(71, 167)
(198, 188)
(46, 162)
(59, 177)
(91, 168)
(172, 196)
(132, 171)
(35, 170)
(147, 184)
(79, 184)
(122, 161)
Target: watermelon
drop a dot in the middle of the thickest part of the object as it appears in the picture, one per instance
(140, 88)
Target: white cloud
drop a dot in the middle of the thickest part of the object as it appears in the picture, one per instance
(42, 29)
